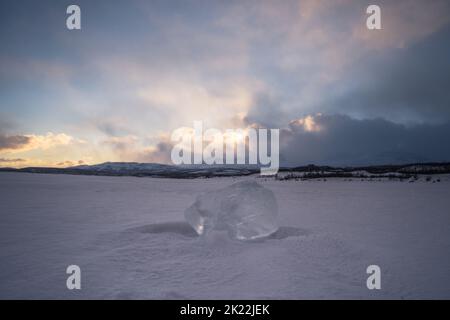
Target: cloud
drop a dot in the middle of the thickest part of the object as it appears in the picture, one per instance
(23, 143)
(67, 163)
(13, 162)
(266, 110)
(160, 153)
(318, 56)
(343, 140)
(125, 148)
(121, 144)
(308, 123)
(323, 139)
(404, 85)
(131, 148)
(405, 22)
(13, 143)
(6, 123)
(188, 100)
(16, 68)
(3, 160)
(235, 64)
(35, 162)
(112, 127)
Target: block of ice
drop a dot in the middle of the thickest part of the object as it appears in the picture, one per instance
(246, 210)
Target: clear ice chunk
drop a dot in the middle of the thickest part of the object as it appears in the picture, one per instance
(245, 209)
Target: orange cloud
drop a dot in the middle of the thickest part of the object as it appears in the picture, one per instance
(308, 124)
(23, 143)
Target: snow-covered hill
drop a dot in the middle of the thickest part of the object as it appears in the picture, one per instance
(406, 171)
(162, 170)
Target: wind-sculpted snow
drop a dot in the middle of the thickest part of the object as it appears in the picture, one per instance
(245, 209)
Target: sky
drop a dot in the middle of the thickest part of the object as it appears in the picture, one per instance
(137, 70)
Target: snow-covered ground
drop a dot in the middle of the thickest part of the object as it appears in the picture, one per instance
(130, 240)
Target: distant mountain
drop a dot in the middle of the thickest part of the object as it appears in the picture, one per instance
(196, 171)
(124, 166)
(147, 170)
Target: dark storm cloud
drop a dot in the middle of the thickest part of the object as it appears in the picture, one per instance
(161, 153)
(405, 84)
(342, 140)
(13, 142)
(266, 111)
(10, 141)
